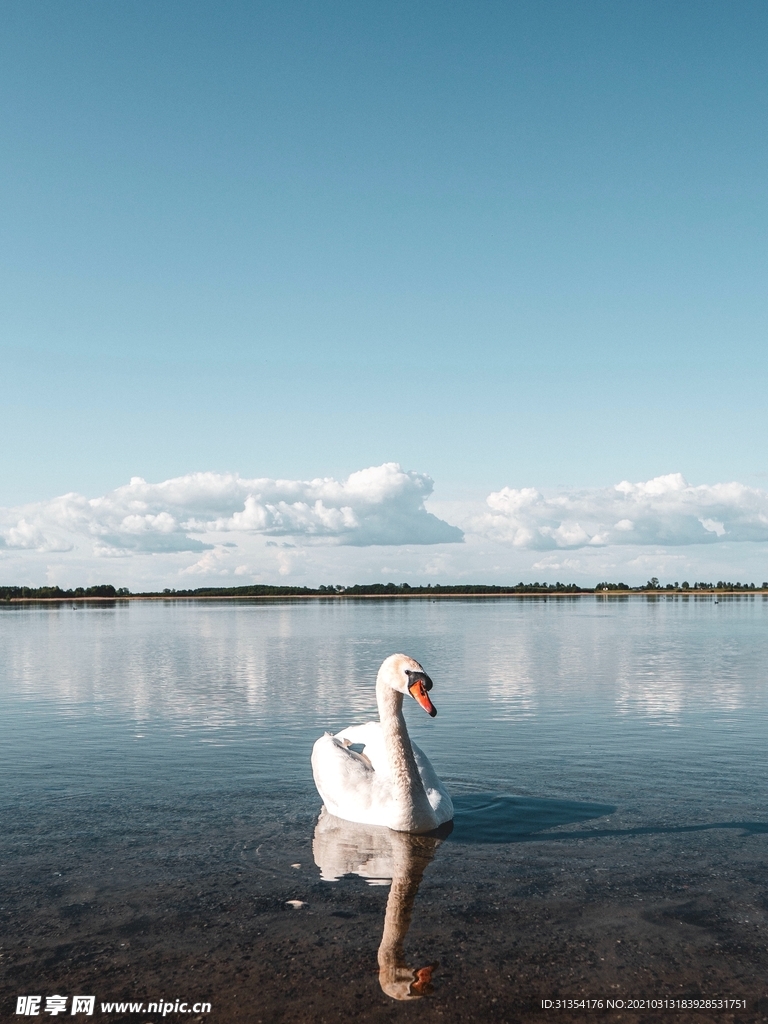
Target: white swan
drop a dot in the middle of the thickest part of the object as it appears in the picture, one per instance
(390, 782)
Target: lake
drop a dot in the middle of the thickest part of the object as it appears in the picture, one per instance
(607, 759)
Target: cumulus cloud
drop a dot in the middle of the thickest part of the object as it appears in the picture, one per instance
(375, 525)
(192, 513)
(664, 511)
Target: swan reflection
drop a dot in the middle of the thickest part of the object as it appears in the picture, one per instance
(382, 857)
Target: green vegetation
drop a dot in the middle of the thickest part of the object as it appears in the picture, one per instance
(384, 589)
(653, 584)
(372, 590)
(56, 593)
(106, 591)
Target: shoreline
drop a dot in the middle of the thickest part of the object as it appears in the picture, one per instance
(436, 596)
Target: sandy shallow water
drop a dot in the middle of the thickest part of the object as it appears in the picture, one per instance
(198, 909)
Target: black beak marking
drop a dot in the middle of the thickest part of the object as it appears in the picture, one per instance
(419, 677)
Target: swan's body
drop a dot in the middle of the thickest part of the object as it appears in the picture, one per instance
(390, 782)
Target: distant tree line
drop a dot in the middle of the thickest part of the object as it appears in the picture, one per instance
(103, 590)
(365, 590)
(265, 590)
(371, 589)
(653, 584)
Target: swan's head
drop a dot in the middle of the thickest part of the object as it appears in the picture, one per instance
(407, 676)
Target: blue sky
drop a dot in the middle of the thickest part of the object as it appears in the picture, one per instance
(503, 245)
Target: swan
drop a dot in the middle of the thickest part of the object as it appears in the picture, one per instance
(390, 782)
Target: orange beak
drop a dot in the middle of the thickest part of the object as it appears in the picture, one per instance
(418, 692)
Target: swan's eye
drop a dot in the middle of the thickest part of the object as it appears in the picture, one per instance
(418, 677)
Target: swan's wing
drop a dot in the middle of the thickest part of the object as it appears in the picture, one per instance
(343, 778)
(349, 783)
(357, 733)
(370, 736)
(437, 794)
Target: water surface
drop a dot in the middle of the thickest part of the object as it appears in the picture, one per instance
(607, 759)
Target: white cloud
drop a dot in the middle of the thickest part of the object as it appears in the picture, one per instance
(224, 529)
(209, 564)
(380, 505)
(29, 536)
(663, 511)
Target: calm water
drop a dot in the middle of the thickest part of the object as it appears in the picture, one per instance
(643, 701)
(176, 720)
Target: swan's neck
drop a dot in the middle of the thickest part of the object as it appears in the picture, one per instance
(406, 781)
